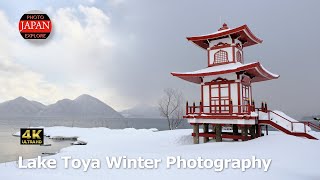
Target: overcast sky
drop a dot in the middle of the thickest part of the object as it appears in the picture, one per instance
(122, 51)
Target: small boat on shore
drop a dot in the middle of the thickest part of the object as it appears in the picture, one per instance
(45, 144)
(72, 138)
(79, 143)
(49, 153)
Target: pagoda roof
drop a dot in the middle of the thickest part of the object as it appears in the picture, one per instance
(243, 33)
(255, 70)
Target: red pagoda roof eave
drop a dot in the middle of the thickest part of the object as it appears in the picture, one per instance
(266, 73)
(263, 74)
(244, 28)
(252, 35)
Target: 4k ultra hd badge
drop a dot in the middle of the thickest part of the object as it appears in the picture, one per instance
(31, 136)
(35, 25)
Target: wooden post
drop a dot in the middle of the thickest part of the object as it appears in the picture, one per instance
(266, 106)
(187, 108)
(235, 130)
(231, 107)
(205, 130)
(201, 107)
(262, 107)
(213, 127)
(252, 131)
(258, 130)
(194, 107)
(196, 133)
(267, 130)
(218, 133)
(244, 132)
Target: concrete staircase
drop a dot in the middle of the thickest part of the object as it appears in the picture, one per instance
(286, 124)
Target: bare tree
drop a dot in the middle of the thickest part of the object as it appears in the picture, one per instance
(170, 107)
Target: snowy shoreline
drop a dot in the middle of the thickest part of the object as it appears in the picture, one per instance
(292, 157)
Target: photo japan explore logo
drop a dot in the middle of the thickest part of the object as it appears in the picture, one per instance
(35, 25)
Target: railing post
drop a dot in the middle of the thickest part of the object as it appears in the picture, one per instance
(249, 107)
(187, 108)
(266, 106)
(291, 127)
(231, 107)
(253, 105)
(201, 107)
(194, 107)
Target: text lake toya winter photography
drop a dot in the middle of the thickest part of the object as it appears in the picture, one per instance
(148, 90)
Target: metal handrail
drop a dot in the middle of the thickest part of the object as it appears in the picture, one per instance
(312, 125)
(291, 122)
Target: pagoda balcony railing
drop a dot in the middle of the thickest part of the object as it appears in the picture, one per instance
(222, 109)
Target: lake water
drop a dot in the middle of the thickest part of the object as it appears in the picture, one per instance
(10, 148)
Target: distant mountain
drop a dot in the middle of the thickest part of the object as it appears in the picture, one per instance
(142, 111)
(83, 106)
(20, 107)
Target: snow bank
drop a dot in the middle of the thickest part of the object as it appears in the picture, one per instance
(292, 157)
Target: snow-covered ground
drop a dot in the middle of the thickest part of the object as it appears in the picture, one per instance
(292, 157)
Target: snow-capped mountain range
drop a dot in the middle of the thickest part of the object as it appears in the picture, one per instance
(82, 106)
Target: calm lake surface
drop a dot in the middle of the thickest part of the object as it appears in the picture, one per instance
(10, 148)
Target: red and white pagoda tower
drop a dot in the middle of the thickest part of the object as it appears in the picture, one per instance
(226, 93)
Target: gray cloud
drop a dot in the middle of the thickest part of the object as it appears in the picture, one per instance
(149, 43)
(290, 48)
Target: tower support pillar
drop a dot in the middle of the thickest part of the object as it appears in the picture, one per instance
(244, 132)
(235, 130)
(205, 130)
(252, 132)
(213, 127)
(218, 133)
(196, 133)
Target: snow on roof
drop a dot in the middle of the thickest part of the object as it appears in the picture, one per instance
(275, 75)
(243, 33)
(217, 68)
(217, 32)
(258, 72)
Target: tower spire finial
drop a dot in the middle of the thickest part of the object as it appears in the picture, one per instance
(224, 26)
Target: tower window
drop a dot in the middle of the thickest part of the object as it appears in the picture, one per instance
(239, 56)
(220, 57)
